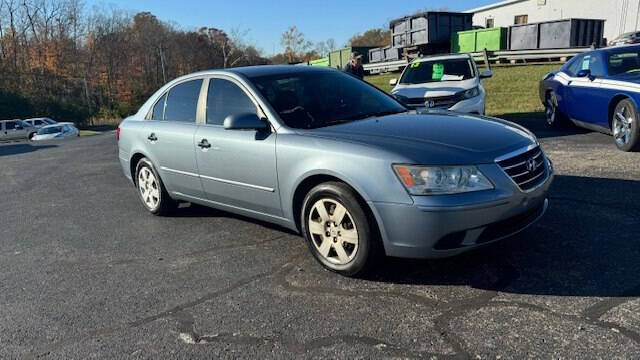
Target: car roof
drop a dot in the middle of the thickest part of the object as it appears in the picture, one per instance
(261, 70)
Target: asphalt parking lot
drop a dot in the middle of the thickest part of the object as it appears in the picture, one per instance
(86, 272)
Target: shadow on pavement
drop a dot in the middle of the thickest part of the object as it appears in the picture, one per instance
(537, 123)
(199, 211)
(588, 245)
(22, 148)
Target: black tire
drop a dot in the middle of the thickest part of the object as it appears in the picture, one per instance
(369, 249)
(555, 118)
(165, 204)
(31, 135)
(625, 126)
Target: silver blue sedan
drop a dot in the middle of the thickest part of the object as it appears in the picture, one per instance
(336, 159)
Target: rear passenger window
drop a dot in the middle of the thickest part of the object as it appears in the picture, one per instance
(182, 102)
(226, 98)
(158, 109)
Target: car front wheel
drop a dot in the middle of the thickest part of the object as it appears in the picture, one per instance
(338, 232)
(151, 190)
(555, 118)
(626, 130)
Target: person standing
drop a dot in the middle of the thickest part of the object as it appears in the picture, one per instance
(354, 67)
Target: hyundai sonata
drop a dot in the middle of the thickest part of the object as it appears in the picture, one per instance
(336, 159)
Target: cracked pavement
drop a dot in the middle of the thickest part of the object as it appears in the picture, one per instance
(85, 272)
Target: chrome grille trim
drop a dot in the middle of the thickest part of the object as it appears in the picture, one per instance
(515, 164)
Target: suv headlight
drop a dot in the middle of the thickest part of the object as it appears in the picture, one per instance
(471, 93)
(440, 180)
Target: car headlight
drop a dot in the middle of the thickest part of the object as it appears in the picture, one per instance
(440, 180)
(471, 93)
(401, 98)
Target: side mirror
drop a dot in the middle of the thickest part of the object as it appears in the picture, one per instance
(393, 82)
(19, 127)
(486, 74)
(584, 73)
(245, 121)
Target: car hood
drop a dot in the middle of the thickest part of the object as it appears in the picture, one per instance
(434, 89)
(437, 139)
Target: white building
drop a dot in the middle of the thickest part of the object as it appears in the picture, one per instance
(621, 15)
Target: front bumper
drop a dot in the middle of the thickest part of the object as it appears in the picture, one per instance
(474, 105)
(448, 225)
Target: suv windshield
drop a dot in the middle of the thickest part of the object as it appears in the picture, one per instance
(623, 62)
(315, 99)
(421, 72)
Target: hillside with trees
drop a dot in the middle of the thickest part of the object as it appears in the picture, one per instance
(59, 59)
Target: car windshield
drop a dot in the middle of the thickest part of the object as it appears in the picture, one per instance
(315, 99)
(49, 121)
(625, 62)
(50, 130)
(421, 72)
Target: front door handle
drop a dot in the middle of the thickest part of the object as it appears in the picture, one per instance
(204, 144)
(152, 137)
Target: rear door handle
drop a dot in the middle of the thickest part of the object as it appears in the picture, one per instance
(152, 137)
(204, 144)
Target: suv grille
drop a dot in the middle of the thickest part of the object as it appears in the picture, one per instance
(528, 170)
(440, 102)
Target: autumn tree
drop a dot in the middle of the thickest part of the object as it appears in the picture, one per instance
(294, 43)
(373, 37)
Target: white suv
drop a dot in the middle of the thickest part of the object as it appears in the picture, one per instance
(450, 82)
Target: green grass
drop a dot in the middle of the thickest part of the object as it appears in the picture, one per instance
(512, 92)
(89, 132)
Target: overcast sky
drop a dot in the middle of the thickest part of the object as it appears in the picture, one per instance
(266, 20)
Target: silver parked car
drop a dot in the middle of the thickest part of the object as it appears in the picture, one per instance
(338, 160)
(16, 130)
(39, 122)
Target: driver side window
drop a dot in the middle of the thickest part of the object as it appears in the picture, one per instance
(576, 66)
(226, 98)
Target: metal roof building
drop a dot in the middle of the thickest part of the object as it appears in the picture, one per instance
(621, 15)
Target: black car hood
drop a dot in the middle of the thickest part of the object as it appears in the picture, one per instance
(434, 138)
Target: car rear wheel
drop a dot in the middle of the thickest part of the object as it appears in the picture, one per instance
(554, 116)
(151, 190)
(338, 231)
(625, 127)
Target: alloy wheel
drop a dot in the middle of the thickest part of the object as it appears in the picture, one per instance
(333, 231)
(148, 187)
(622, 125)
(551, 110)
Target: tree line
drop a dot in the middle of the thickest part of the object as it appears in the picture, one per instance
(60, 59)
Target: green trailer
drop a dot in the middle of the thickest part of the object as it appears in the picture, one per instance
(340, 58)
(492, 39)
(319, 62)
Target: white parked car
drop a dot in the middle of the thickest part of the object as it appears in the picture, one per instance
(56, 131)
(40, 122)
(449, 82)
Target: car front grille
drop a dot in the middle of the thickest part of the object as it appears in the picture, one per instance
(528, 170)
(439, 102)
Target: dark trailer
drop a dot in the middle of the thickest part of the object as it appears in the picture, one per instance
(429, 32)
(559, 34)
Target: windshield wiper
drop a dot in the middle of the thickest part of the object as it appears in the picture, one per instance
(362, 117)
